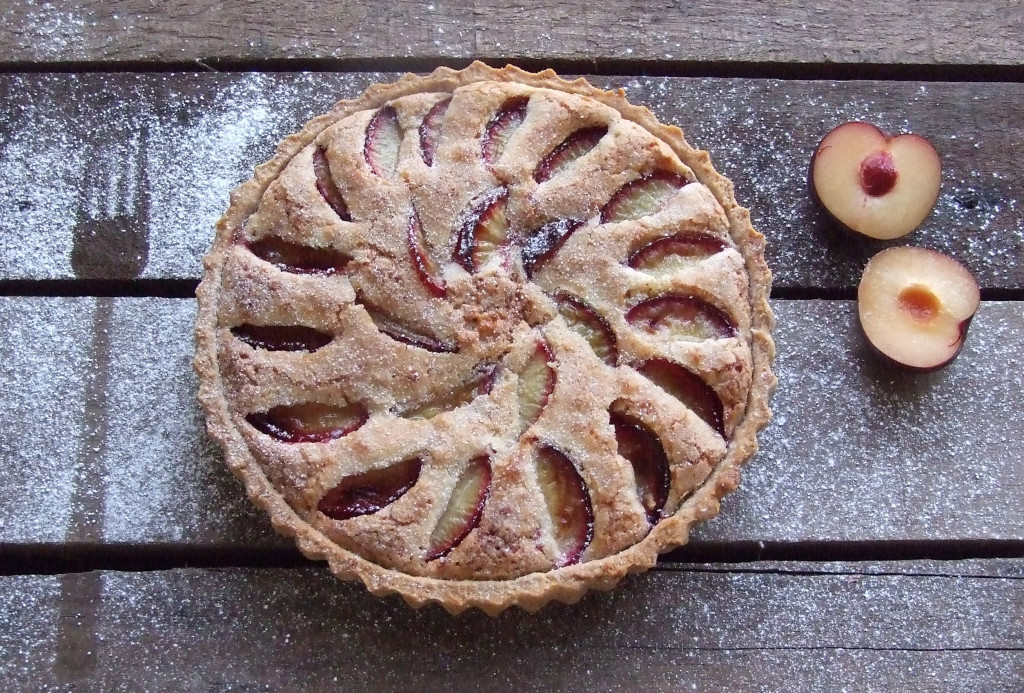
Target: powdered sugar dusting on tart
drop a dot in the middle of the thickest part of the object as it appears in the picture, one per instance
(417, 311)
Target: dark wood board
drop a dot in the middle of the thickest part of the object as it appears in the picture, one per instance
(104, 443)
(148, 160)
(927, 32)
(916, 626)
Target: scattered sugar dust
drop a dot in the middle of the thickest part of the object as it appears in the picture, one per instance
(70, 140)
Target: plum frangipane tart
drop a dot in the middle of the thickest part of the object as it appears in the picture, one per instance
(486, 338)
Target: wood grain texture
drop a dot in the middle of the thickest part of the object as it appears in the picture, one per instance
(857, 452)
(928, 32)
(106, 173)
(790, 627)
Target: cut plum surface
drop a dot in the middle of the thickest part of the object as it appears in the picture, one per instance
(479, 385)
(915, 306)
(326, 186)
(536, 383)
(870, 183)
(688, 388)
(542, 244)
(426, 269)
(310, 422)
(590, 325)
(499, 130)
(673, 253)
(681, 316)
(383, 138)
(577, 145)
(282, 337)
(568, 503)
(370, 492)
(484, 231)
(405, 334)
(644, 451)
(299, 259)
(464, 510)
(642, 197)
(430, 130)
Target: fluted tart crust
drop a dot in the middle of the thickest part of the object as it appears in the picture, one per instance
(486, 338)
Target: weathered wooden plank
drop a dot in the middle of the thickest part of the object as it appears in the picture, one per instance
(856, 452)
(769, 628)
(107, 175)
(929, 32)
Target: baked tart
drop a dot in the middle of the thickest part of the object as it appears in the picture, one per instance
(486, 338)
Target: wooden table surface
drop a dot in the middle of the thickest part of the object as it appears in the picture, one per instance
(876, 542)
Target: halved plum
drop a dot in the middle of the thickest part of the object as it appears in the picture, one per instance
(310, 422)
(642, 197)
(689, 388)
(282, 337)
(369, 492)
(464, 510)
(568, 503)
(681, 316)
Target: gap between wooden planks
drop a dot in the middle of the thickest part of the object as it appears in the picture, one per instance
(104, 441)
(150, 158)
(924, 626)
(924, 34)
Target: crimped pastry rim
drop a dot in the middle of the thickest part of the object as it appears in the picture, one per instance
(531, 591)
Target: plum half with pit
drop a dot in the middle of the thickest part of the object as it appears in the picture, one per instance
(873, 184)
(915, 306)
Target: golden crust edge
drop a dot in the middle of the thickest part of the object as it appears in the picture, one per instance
(529, 592)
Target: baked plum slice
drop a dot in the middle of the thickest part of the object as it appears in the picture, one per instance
(383, 138)
(644, 451)
(568, 503)
(536, 383)
(369, 492)
(464, 509)
(282, 337)
(299, 259)
(500, 128)
(589, 324)
(401, 332)
(326, 187)
(426, 269)
(430, 130)
(479, 385)
(576, 146)
(541, 245)
(681, 316)
(484, 231)
(642, 197)
(689, 388)
(672, 253)
(310, 422)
